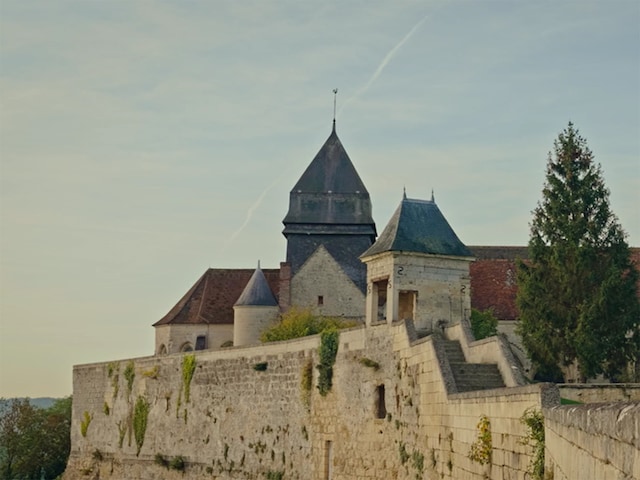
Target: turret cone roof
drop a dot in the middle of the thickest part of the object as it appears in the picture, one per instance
(257, 292)
(418, 226)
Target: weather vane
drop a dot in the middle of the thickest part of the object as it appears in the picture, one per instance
(335, 94)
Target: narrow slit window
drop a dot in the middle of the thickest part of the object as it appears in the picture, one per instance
(328, 460)
(381, 409)
(320, 300)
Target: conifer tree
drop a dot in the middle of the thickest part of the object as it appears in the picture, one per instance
(577, 293)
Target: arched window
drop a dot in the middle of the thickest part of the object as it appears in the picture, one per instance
(186, 347)
(162, 350)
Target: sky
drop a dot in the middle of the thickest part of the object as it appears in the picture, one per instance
(144, 142)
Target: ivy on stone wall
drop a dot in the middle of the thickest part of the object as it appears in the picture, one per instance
(152, 373)
(482, 448)
(140, 415)
(188, 369)
(534, 421)
(329, 340)
(367, 362)
(113, 372)
(306, 382)
(84, 423)
(129, 375)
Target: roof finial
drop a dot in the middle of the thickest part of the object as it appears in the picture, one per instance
(432, 197)
(404, 192)
(335, 94)
(258, 264)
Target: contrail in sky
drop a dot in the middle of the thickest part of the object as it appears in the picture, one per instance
(251, 211)
(359, 92)
(384, 62)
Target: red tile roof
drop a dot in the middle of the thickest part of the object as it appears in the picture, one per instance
(210, 300)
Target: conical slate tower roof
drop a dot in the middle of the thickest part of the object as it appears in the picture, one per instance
(257, 292)
(419, 226)
(330, 191)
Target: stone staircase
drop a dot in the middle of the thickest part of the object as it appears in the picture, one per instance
(471, 376)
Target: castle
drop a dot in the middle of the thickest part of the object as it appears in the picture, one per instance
(330, 236)
(411, 394)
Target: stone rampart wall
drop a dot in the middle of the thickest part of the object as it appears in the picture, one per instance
(389, 414)
(601, 392)
(593, 441)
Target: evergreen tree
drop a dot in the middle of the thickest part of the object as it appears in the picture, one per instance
(577, 293)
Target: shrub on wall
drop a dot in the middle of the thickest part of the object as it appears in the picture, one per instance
(301, 322)
(534, 421)
(483, 324)
(482, 448)
(113, 369)
(306, 382)
(84, 423)
(329, 340)
(188, 369)
(140, 415)
(129, 375)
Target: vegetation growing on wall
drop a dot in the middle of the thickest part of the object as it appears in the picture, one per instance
(140, 415)
(301, 322)
(113, 372)
(188, 369)
(534, 421)
(129, 375)
(306, 382)
(329, 340)
(367, 362)
(260, 366)
(84, 423)
(177, 463)
(274, 475)
(152, 372)
(482, 448)
(122, 430)
(483, 324)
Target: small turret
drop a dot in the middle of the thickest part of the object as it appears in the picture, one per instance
(418, 269)
(256, 308)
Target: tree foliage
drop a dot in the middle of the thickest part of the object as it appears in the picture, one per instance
(34, 442)
(301, 322)
(577, 293)
(483, 324)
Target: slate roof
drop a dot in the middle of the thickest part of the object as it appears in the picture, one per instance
(257, 292)
(330, 192)
(331, 170)
(419, 226)
(210, 300)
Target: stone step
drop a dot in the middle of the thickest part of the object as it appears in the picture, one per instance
(476, 376)
(454, 351)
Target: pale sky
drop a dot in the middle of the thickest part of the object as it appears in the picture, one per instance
(143, 142)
